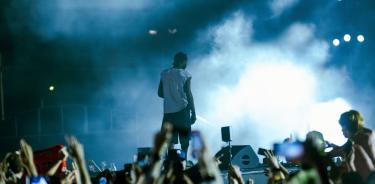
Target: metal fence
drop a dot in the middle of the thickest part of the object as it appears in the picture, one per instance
(68, 119)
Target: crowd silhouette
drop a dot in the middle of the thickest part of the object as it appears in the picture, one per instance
(352, 162)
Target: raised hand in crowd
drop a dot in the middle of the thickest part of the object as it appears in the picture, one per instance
(3, 170)
(77, 152)
(28, 158)
(64, 156)
(235, 176)
(69, 178)
(207, 164)
(162, 140)
(72, 176)
(277, 172)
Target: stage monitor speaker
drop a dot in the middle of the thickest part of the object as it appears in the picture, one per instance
(225, 134)
(242, 156)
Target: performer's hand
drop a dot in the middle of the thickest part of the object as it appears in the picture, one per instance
(193, 117)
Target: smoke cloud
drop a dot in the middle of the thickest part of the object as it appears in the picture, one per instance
(267, 88)
(279, 6)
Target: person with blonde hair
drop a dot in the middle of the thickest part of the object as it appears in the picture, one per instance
(351, 123)
(359, 150)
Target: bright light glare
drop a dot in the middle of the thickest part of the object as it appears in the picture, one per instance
(324, 118)
(336, 42)
(361, 38)
(51, 88)
(271, 95)
(347, 37)
(268, 93)
(172, 31)
(152, 32)
(282, 99)
(279, 86)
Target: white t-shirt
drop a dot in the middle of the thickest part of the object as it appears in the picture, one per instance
(173, 81)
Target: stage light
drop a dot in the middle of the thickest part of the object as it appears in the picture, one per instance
(347, 37)
(51, 88)
(152, 32)
(360, 38)
(336, 42)
(172, 31)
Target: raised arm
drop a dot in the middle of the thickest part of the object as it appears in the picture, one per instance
(28, 158)
(77, 152)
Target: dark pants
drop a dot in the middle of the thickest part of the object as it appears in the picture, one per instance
(180, 122)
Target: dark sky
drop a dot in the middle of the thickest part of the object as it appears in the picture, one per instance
(78, 45)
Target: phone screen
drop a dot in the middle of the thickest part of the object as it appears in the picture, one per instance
(196, 142)
(289, 149)
(37, 180)
(102, 180)
(181, 154)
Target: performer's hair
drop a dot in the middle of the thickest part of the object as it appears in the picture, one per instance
(179, 58)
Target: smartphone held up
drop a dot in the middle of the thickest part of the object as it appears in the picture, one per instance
(289, 149)
(196, 141)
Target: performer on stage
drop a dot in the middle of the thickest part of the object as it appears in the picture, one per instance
(179, 108)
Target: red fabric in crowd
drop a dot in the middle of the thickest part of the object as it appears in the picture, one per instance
(46, 158)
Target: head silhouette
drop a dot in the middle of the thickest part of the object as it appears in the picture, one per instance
(351, 121)
(180, 60)
(317, 140)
